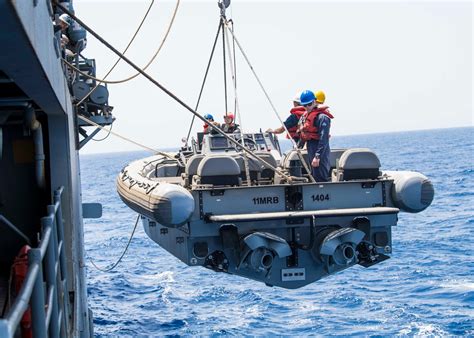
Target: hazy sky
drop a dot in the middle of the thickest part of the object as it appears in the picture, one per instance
(385, 66)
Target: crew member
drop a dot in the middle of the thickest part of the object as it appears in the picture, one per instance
(314, 130)
(291, 123)
(320, 96)
(210, 120)
(64, 21)
(229, 126)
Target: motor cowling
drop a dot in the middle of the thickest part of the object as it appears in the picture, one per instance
(337, 247)
(262, 248)
(411, 192)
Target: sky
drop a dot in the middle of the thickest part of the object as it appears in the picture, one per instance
(384, 65)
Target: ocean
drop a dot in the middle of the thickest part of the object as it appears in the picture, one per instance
(425, 288)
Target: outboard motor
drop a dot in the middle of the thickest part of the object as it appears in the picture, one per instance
(412, 192)
(260, 259)
(337, 247)
(262, 248)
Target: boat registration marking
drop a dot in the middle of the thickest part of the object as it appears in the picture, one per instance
(266, 200)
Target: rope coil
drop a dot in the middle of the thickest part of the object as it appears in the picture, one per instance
(122, 54)
(124, 51)
(172, 95)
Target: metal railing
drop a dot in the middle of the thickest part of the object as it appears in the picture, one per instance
(44, 287)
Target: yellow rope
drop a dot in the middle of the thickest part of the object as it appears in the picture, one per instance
(144, 68)
(124, 51)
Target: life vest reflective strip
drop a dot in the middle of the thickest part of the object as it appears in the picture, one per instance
(309, 130)
(19, 271)
(293, 131)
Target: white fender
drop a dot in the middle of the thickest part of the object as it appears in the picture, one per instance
(412, 192)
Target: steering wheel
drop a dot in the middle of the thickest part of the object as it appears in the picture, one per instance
(249, 143)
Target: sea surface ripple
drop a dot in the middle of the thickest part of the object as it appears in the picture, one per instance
(426, 288)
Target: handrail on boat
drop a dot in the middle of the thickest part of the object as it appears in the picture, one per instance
(45, 280)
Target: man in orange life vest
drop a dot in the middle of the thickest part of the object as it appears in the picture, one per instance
(291, 123)
(229, 125)
(314, 130)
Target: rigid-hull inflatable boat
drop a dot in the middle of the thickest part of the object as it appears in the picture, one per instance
(215, 206)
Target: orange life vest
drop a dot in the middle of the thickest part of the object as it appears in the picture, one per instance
(309, 131)
(19, 272)
(293, 131)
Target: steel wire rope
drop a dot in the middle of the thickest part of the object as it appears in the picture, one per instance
(224, 63)
(271, 104)
(235, 63)
(126, 138)
(168, 92)
(205, 78)
(237, 109)
(122, 56)
(107, 269)
(119, 59)
(106, 136)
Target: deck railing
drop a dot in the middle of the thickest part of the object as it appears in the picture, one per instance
(44, 287)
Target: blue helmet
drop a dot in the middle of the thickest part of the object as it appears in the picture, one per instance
(307, 97)
(209, 117)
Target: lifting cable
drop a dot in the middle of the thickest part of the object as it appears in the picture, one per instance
(271, 103)
(169, 93)
(235, 65)
(111, 267)
(139, 70)
(205, 78)
(119, 59)
(82, 117)
(237, 109)
(225, 67)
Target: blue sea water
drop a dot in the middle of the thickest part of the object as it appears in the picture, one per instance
(426, 288)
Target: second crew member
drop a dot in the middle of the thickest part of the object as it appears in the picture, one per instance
(291, 123)
(315, 127)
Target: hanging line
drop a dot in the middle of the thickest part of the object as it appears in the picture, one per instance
(119, 59)
(235, 63)
(272, 105)
(107, 269)
(106, 136)
(82, 117)
(169, 93)
(225, 67)
(205, 78)
(115, 51)
(237, 110)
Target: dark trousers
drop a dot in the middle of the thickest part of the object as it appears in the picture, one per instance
(321, 173)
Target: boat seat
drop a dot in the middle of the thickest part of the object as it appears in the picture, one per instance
(268, 157)
(255, 167)
(191, 168)
(218, 170)
(357, 164)
(293, 163)
(334, 157)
